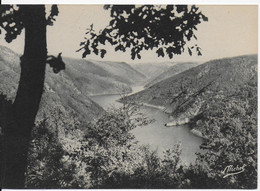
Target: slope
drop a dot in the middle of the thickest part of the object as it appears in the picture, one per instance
(183, 95)
(96, 77)
(171, 71)
(58, 90)
(152, 70)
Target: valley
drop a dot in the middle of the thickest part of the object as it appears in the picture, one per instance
(173, 94)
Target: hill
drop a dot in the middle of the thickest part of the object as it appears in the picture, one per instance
(101, 77)
(59, 90)
(171, 71)
(73, 86)
(152, 70)
(183, 95)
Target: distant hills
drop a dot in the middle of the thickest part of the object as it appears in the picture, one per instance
(171, 71)
(182, 95)
(152, 70)
(179, 88)
(101, 77)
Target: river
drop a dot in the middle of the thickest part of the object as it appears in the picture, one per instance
(156, 134)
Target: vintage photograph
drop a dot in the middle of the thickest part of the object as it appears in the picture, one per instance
(128, 96)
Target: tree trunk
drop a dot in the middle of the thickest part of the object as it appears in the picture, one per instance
(21, 117)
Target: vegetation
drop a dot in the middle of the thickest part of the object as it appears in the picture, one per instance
(183, 94)
(220, 96)
(221, 101)
(107, 155)
(171, 71)
(230, 125)
(34, 20)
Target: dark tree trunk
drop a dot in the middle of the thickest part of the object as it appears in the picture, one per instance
(21, 117)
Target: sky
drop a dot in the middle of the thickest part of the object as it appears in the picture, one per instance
(232, 30)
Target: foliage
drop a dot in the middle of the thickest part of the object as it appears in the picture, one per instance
(230, 125)
(111, 148)
(106, 154)
(11, 20)
(14, 18)
(165, 28)
(46, 165)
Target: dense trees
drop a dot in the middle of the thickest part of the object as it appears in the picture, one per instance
(136, 27)
(230, 125)
(107, 155)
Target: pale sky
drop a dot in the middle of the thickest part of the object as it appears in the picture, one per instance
(232, 30)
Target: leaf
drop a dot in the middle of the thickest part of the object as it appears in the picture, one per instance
(160, 52)
(86, 52)
(133, 54)
(102, 39)
(204, 17)
(81, 43)
(190, 52)
(189, 35)
(103, 52)
(170, 55)
(95, 50)
(54, 10)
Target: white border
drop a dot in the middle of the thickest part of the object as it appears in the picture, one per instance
(212, 2)
(201, 2)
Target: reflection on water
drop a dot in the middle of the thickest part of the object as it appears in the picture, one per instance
(156, 134)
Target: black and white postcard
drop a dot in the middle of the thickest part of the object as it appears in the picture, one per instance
(128, 96)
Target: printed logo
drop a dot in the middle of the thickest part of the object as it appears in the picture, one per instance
(231, 170)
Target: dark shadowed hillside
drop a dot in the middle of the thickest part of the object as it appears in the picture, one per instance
(183, 94)
(171, 71)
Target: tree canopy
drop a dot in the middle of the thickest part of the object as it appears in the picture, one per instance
(12, 22)
(164, 28)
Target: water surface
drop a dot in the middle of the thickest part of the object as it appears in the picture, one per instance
(156, 134)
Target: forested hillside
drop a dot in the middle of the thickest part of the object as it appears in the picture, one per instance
(58, 90)
(72, 87)
(183, 94)
(101, 77)
(219, 99)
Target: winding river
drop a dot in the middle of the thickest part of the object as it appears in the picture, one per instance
(156, 134)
